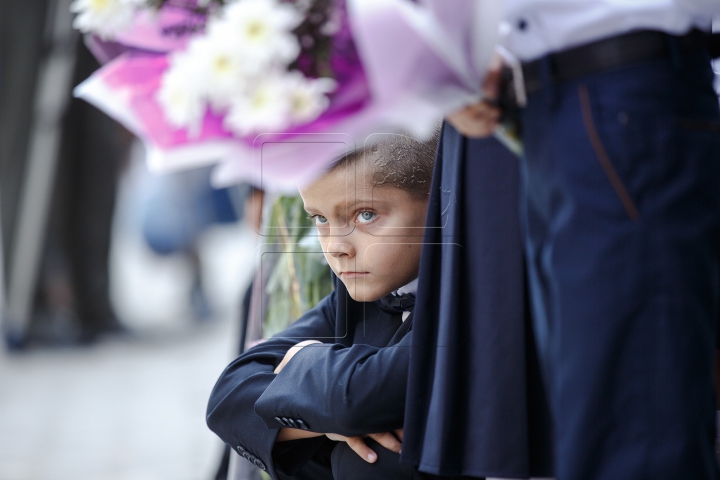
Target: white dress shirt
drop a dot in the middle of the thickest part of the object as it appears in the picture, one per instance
(534, 28)
(409, 288)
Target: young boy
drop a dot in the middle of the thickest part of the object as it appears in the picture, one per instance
(298, 405)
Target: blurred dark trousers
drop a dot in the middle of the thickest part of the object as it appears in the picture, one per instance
(79, 229)
(73, 280)
(621, 209)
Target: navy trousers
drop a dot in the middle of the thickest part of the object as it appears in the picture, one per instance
(621, 208)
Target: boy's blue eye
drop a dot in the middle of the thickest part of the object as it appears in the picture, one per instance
(320, 220)
(366, 216)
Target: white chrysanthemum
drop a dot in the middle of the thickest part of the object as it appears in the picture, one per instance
(180, 94)
(265, 108)
(308, 96)
(303, 5)
(105, 18)
(239, 67)
(221, 70)
(333, 24)
(262, 29)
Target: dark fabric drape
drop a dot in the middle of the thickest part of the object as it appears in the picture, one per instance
(475, 402)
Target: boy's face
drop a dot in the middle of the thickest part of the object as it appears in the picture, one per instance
(371, 236)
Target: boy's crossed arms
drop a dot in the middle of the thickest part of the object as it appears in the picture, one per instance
(390, 440)
(342, 389)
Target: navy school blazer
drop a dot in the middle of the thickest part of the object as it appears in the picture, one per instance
(353, 384)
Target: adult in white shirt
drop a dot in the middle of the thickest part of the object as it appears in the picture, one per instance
(621, 212)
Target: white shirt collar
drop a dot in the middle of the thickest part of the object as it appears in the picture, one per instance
(409, 288)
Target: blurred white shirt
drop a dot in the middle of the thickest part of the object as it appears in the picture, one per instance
(534, 28)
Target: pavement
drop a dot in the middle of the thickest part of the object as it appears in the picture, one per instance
(130, 408)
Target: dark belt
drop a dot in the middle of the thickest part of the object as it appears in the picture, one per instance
(612, 53)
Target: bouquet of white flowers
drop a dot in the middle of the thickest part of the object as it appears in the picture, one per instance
(301, 81)
(242, 67)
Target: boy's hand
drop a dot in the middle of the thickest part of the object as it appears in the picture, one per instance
(358, 445)
(291, 353)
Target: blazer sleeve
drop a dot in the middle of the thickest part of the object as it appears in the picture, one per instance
(351, 391)
(231, 413)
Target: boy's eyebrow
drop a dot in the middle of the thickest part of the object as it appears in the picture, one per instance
(357, 201)
(344, 206)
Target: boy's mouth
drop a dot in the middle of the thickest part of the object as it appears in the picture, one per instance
(352, 274)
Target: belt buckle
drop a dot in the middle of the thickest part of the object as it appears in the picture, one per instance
(518, 79)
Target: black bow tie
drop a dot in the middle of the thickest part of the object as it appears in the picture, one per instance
(397, 303)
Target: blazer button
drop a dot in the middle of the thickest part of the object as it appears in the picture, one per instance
(281, 421)
(240, 450)
(287, 421)
(301, 424)
(259, 464)
(292, 422)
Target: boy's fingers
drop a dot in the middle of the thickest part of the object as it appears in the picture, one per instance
(358, 446)
(387, 440)
(399, 433)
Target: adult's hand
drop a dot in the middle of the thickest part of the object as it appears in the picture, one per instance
(358, 445)
(479, 120)
(292, 352)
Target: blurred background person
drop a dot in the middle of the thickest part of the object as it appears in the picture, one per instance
(177, 209)
(621, 76)
(60, 161)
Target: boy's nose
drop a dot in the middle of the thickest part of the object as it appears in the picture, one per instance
(339, 249)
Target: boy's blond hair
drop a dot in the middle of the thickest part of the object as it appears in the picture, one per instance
(396, 160)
